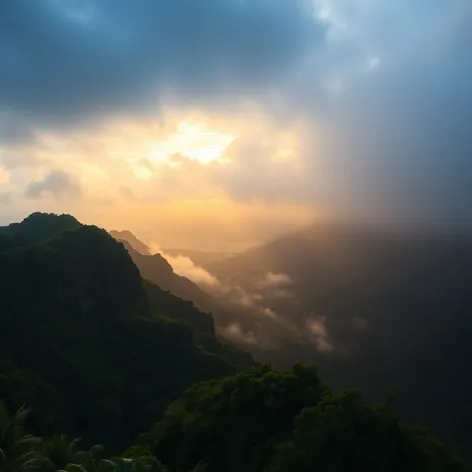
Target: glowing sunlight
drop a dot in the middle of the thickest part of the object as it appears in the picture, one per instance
(195, 141)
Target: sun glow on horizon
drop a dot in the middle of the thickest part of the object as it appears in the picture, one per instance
(177, 178)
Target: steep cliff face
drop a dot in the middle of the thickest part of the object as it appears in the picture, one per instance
(157, 270)
(94, 349)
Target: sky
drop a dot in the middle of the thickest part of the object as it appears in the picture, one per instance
(217, 124)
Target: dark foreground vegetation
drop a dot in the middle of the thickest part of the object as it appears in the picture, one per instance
(258, 420)
(97, 353)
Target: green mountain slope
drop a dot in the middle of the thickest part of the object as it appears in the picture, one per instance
(97, 352)
(157, 270)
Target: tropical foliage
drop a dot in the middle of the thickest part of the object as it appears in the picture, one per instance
(17, 449)
(96, 353)
(273, 421)
(26, 453)
(261, 420)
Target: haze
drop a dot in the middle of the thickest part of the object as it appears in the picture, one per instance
(219, 124)
(198, 190)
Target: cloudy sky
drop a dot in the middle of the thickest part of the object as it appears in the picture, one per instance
(215, 124)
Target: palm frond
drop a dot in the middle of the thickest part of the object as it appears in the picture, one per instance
(37, 464)
(75, 468)
(98, 451)
(106, 465)
(11, 427)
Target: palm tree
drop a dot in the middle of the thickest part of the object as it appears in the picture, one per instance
(61, 453)
(17, 449)
(91, 461)
(20, 452)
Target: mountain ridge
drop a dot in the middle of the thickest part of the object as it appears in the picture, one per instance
(82, 323)
(159, 271)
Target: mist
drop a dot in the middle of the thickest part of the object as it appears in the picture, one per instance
(293, 183)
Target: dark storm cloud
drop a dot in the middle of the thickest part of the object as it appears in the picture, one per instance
(387, 139)
(67, 60)
(405, 134)
(57, 183)
(14, 131)
(395, 142)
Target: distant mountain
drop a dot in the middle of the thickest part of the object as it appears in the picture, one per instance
(225, 307)
(91, 347)
(200, 258)
(385, 311)
(132, 240)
